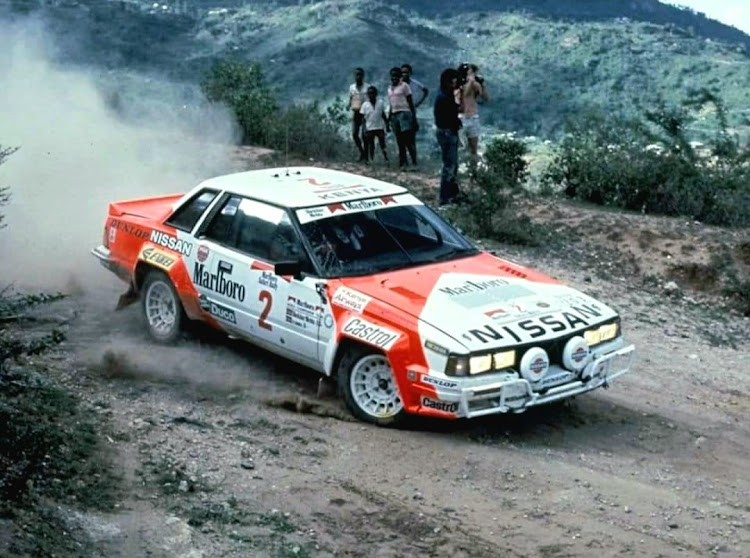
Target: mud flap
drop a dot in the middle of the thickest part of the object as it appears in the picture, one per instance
(127, 298)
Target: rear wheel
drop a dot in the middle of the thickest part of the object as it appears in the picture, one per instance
(161, 307)
(368, 387)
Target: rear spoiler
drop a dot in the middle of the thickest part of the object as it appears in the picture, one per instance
(153, 208)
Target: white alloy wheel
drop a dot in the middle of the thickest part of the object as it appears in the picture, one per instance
(162, 308)
(373, 387)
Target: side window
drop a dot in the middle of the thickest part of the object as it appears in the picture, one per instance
(258, 225)
(223, 226)
(189, 212)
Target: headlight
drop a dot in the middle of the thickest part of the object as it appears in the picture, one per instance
(457, 366)
(504, 360)
(479, 364)
(465, 365)
(601, 334)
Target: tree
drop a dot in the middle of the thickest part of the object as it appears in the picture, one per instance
(241, 86)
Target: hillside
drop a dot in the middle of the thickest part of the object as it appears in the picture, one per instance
(544, 61)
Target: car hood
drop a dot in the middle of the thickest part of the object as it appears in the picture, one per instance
(484, 302)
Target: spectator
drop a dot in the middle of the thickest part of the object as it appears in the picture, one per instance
(448, 124)
(402, 116)
(376, 123)
(417, 90)
(472, 89)
(357, 96)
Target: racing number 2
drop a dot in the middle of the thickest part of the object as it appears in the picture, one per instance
(267, 298)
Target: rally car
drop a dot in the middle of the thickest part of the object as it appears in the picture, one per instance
(359, 280)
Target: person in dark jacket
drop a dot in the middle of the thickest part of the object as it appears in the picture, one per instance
(448, 124)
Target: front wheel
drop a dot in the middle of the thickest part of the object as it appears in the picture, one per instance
(161, 307)
(368, 388)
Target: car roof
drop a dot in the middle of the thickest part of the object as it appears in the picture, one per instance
(298, 187)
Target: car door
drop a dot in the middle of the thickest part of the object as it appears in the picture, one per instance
(282, 313)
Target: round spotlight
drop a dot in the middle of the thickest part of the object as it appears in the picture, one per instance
(576, 354)
(534, 364)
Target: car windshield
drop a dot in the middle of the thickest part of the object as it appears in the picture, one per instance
(360, 241)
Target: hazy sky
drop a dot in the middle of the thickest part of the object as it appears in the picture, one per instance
(731, 12)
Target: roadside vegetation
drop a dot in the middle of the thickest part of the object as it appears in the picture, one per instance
(302, 129)
(654, 165)
(50, 447)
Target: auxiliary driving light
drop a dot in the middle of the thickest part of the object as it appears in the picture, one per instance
(576, 354)
(534, 364)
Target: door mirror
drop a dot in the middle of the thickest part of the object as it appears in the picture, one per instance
(293, 268)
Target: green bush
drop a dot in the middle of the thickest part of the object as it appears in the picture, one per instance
(488, 205)
(242, 88)
(302, 129)
(650, 165)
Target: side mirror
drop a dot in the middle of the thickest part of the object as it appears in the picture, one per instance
(293, 268)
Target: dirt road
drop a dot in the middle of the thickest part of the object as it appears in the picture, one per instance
(227, 451)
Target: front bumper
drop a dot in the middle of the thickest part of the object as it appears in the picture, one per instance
(507, 392)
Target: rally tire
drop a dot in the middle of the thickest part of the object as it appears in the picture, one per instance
(367, 386)
(162, 308)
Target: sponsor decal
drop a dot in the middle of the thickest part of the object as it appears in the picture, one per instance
(468, 287)
(496, 313)
(541, 304)
(268, 279)
(202, 254)
(328, 321)
(303, 314)
(222, 312)
(439, 382)
(388, 199)
(370, 333)
(580, 354)
(219, 282)
(538, 365)
(315, 212)
(444, 406)
(127, 228)
(557, 379)
(171, 242)
(435, 348)
(159, 258)
(535, 328)
(112, 234)
(353, 300)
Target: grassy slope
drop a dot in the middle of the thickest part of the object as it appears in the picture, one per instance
(540, 70)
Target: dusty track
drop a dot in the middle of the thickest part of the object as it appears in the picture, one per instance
(215, 465)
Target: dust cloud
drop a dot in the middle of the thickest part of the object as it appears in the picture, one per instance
(88, 137)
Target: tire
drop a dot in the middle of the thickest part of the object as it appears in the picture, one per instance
(368, 388)
(161, 308)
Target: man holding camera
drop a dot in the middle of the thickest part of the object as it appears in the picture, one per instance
(472, 88)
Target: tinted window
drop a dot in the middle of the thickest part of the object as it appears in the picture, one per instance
(189, 213)
(223, 226)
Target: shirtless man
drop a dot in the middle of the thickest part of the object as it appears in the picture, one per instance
(473, 88)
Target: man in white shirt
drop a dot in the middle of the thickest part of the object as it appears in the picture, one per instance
(376, 123)
(357, 96)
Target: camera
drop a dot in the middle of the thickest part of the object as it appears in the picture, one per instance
(463, 73)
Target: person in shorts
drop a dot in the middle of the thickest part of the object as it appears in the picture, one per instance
(357, 96)
(375, 124)
(472, 89)
(402, 116)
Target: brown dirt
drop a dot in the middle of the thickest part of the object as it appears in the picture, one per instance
(228, 451)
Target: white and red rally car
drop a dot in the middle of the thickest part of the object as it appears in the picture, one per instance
(358, 279)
